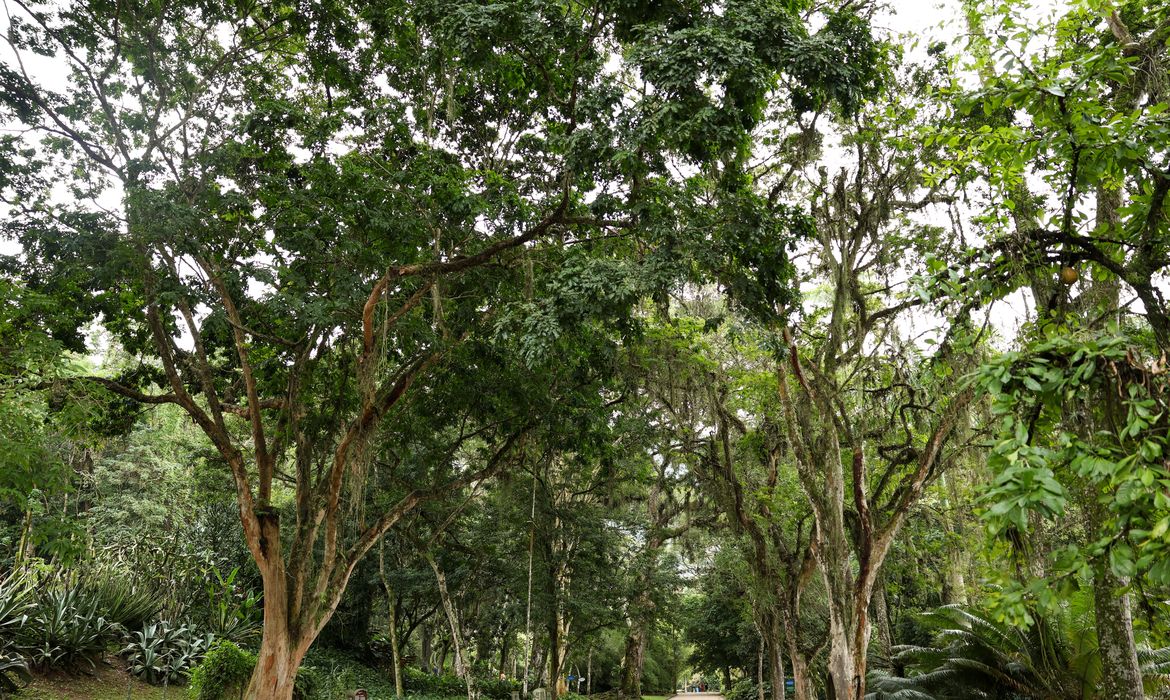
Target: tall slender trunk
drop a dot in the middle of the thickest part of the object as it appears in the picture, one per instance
(462, 667)
(589, 673)
(392, 616)
(1121, 677)
(955, 586)
(554, 659)
(528, 607)
(802, 681)
(427, 648)
(760, 667)
(25, 532)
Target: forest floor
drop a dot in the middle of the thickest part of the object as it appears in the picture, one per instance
(105, 683)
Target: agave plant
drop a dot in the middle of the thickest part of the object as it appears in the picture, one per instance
(15, 605)
(66, 630)
(975, 656)
(121, 600)
(163, 652)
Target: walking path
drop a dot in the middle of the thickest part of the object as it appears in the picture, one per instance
(696, 696)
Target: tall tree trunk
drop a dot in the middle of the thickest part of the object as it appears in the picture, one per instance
(427, 648)
(392, 616)
(554, 657)
(802, 681)
(281, 648)
(528, 604)
(955, 586)
(589, 673)
(760, 666)
(462, 667)
(276, 668)
(504, 652)
(282, 645)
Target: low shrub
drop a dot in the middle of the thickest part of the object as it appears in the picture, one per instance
(496, 688)
(223, 674)
(164, 652)
(311, 683)
(746, 689)
(232, 612)
(15, 605)
(418, 681)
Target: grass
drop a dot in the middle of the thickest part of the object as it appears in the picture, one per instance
(105, 684)
(656, 697)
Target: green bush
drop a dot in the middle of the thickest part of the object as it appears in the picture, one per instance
(15, 603)
(746, 689)
(223, 674)
(418, 681)
(163, 652)
(495, 688)
(311, 684)
(232, 612)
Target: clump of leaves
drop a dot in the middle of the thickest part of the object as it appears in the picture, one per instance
(121, 600)
(233, 613)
